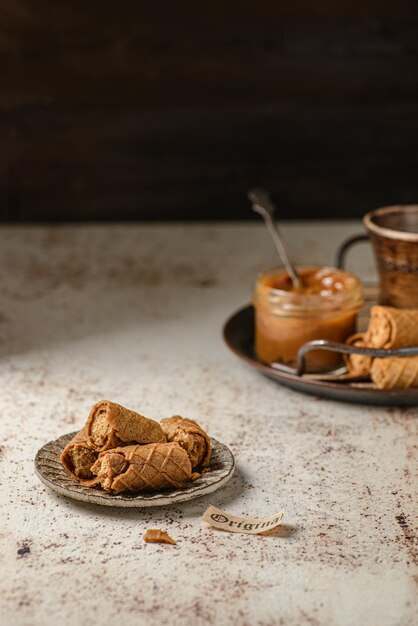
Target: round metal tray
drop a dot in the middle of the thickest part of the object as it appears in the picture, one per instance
(239, 336)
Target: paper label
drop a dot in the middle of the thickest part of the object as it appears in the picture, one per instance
(234, 524)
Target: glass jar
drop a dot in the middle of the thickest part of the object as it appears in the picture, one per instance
(325, 307)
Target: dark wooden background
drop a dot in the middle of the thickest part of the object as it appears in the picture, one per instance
(129, 110)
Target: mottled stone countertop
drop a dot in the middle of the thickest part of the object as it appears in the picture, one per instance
(134, 313)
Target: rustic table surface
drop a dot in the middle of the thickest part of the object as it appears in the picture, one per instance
(134, 314)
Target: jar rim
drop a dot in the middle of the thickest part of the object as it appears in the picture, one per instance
(290, 302)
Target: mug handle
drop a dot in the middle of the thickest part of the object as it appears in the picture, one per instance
(344, 248)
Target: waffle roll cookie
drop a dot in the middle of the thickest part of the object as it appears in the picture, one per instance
(78, 458)
(395, 372)
(110, 425)
(392, 328)
(190, 436)
(357, 364)
(143, 468)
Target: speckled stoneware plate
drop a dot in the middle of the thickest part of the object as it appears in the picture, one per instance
(51, 472)
(239, 336)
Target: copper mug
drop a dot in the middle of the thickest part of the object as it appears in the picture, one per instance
(393, 231)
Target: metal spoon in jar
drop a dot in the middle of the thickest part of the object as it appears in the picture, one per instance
(263, 205)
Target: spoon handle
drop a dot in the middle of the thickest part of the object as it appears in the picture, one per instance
(263, 205)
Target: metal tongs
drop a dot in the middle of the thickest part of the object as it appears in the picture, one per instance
(341, 374)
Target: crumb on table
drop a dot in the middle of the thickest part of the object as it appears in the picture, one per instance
(154, 535)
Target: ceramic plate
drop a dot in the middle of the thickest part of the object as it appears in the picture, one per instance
(51, 472)
(239, 336)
